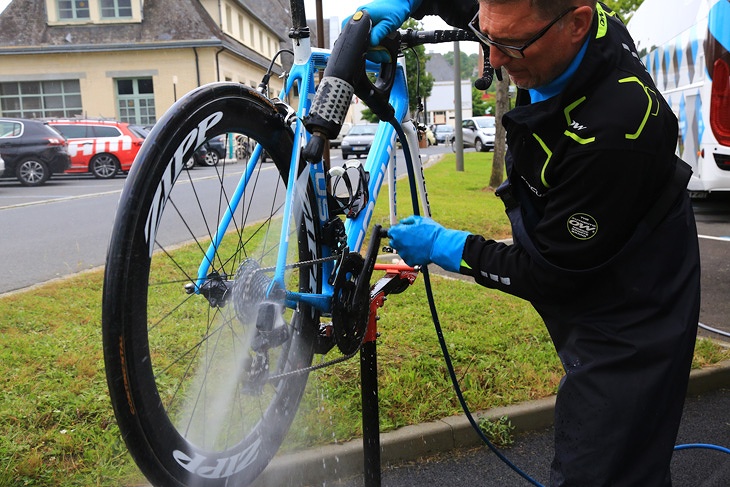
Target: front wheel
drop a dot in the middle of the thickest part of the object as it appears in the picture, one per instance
(205, 362)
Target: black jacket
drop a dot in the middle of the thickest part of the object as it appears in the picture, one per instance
(586, 166)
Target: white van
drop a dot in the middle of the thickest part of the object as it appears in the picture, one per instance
(685, 46)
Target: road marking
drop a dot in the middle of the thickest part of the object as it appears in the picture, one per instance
(116, 191)
(710, 237)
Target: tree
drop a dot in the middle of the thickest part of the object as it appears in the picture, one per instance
(502, 106)
(480, 106)
(468, 64)
(625, 8)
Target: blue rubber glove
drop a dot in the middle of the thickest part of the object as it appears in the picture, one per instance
(420, 241)
(387, 16)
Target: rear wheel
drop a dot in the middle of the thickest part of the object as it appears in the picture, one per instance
(104, 166)
(211, 158)
(32, 172)
(206, 373)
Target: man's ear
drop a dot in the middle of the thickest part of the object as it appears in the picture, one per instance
(581, 21)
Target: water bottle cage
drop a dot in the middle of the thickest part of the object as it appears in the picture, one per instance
(346, 200)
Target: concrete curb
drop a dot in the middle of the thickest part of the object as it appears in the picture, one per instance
(318, 465)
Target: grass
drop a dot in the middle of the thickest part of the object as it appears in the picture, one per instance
(57, 426)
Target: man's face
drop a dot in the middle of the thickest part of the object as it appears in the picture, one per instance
(517, 23)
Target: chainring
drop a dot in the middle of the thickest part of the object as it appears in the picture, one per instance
(349, 311)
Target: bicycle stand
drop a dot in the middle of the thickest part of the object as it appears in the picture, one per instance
(397, 278)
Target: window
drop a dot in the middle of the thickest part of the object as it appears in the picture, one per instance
(136, 101)
(73, 9)
(10, 129)
(116, 9)
(36, 99)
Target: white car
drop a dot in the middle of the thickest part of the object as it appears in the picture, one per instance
(478, 132)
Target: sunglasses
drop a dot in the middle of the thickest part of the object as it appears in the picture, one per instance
(514, 51)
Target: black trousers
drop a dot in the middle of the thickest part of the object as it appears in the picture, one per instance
(626, 344)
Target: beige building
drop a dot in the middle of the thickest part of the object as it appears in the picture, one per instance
(131, 59)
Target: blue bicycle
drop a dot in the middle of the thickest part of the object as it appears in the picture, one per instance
(219, 291)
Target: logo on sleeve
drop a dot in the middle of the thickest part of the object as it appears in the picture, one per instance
(582, 226)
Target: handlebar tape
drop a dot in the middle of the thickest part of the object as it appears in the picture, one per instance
(344, 77)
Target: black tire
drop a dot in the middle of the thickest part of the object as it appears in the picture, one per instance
(104, 166)
(453, 144)
(178, 366)
(32, 172)
(478, 145)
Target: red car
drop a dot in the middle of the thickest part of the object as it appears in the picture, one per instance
(101, 147)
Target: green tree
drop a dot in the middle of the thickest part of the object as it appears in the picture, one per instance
(468, 64)
(479, 106)
(625, 8)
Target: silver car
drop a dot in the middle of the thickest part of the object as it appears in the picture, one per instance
(478, 132)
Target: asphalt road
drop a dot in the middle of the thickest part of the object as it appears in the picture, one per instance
(705, 421)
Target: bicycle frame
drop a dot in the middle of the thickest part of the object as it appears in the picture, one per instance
(380, 158)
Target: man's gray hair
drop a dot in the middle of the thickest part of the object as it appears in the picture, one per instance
(547, 8)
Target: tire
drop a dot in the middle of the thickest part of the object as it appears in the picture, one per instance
(32, 172)
(211, 158)
(178, 364)
(104, 166)
(453, 144)
(189, 163)
(478, 145)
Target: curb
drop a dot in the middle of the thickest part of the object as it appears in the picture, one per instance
(318, 465)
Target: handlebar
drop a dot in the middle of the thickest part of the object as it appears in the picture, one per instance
(345, 76)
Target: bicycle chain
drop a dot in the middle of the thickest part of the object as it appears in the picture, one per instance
(312, 368)
(304, 263)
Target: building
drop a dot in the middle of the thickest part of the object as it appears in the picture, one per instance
(439, 105)
(130, 60)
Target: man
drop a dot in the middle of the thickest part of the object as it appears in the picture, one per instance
(605, 245)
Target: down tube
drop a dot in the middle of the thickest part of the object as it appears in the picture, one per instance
(377, 162)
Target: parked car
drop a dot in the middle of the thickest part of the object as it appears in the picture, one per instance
(216, 149)
(101, 147)
(443, 134)
(358, 140)
(2, 166)
(32, 151)
(478, 132)
(337, 141)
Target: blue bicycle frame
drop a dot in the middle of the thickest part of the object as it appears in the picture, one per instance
(381, 156)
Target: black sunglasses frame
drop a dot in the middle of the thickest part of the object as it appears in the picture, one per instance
(514, 51)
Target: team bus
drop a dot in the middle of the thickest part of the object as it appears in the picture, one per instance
(685, 46)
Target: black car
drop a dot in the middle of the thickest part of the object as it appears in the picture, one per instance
(32, 151)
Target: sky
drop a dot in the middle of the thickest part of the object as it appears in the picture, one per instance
(345, 8)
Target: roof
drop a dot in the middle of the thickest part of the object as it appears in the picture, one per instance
(439, 68)
(167, 23)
